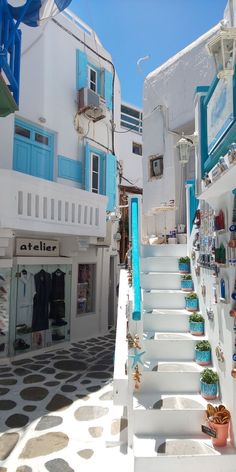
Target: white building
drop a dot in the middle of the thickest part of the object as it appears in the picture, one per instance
(130, 164)
(58, 188)
(168, 112)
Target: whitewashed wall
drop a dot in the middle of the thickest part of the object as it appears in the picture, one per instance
(169, 105)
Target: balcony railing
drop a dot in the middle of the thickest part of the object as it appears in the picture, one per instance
(32, 204)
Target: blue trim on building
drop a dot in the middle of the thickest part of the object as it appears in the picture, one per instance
(202, 89)
(193, 202)
(136, 315)
(211, 90)
(69, 169)
(81, 69)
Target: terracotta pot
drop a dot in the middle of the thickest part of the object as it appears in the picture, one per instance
(232, 243)
(222, 432)
(233, 373)
(233, 313)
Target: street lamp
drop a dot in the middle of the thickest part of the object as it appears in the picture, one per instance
(223, 48)
(184, 147)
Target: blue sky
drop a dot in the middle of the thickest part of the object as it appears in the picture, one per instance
(130, 29)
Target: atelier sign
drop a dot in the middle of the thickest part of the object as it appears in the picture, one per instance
(36, 247)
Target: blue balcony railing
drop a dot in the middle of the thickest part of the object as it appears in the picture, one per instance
(10, 50)
(134, 221)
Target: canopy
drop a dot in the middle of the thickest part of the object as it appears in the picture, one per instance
(35, 12)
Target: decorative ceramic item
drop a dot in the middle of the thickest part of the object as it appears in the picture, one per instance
(219, 354)
(233, 373)
(233, 294)
(220, 221)
(220, 254)
(210, 314)
(197, 270)
(215, 174)
(233, 312)
(191, 301)
(222, 164)
(184, 265)
(232, 153)
(207, 180)
(186, 283)
(214, 290)
(203, 289)
(224, 289)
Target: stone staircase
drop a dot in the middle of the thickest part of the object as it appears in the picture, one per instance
(168, 410)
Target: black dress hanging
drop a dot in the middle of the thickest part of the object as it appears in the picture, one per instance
(57, 307)
(43, 285)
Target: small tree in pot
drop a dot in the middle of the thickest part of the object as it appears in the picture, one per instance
(191, 301)
(184, 265)
(186, 283)
(203, 353)
(196, 324)
(209, 381)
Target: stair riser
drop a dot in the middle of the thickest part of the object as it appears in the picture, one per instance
(163, 300)
(169, 350)
(168, 423)
(216, 463)
(2, 251)
(160, 264)
(161, 281)
(169, 323)
(179, 250)
(171, 382)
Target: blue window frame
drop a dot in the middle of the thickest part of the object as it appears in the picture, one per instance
(33, 151)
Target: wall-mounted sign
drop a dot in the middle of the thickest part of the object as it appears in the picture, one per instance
(36, 247)
(220, 112)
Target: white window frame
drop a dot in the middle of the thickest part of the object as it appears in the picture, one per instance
(93, 154)
(90, 81)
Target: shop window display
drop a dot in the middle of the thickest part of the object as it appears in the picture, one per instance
(42, 306)
(86, 288)
(4, 310)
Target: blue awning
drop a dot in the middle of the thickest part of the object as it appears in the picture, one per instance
(34, 12)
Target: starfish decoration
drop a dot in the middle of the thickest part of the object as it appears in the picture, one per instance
(136, 357)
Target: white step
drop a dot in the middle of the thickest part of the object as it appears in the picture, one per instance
(170, 346)
(166, 320)
(176, 250)
(160, 280)
(163, 299)
(181, 454)
(166, 382)
(2, 251)
(159, 264)
(152, 365)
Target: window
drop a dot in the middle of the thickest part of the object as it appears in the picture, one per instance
(25, 133)
(41, 139)
(92, 79)
(155, 167)
(137, 149)
(131, 118)
(95, 171)
(86, 288)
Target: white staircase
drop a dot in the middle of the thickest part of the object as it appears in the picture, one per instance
(168, 410)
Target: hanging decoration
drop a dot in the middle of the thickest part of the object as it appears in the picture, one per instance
(136, 357)
(232, 241)
(137, 378)
(210, 314)
(219, 354)
(133, 341)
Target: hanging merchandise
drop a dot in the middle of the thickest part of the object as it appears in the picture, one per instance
(25, 298)
(233, 294)
(57, 305)
(224, 289)
(137, 377)
(220, 254)
(210, 314)
(43, 286)
(232, 241)
(214, 289)
(220, 221)
(136, 357)
(4, 310)
(203, 289)
(219, 354)
(133, 341)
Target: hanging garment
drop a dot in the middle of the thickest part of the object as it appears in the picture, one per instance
(25, 297)
(57, 307)
(43, 286)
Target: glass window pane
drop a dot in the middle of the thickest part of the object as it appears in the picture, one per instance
(95, 181)
(95, 163)
(22, 131)
(93, 75)
(41, 139)
(86, 288)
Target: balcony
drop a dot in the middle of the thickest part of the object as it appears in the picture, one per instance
(32, 204)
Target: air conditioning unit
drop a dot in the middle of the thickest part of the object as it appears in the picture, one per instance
(91, 104)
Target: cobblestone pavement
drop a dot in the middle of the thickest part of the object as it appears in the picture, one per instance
(57, 411)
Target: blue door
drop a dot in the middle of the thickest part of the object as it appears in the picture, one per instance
(33, 151)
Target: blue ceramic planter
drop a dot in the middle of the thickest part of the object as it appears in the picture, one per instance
(196, 328)
(184, 267)
(191, 304)
(187, 285)
(202, 357)
(209, 391)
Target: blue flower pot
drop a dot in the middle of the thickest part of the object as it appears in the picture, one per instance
(202, 357)
(191, 304)
(184, 267)
(196, 328)
(209, 391)
(186, 285)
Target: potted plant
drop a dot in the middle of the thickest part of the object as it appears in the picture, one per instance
(191, 301)
(196, 324)
(203, 353)
(209, 384)
(218, 418)
(186, 283)
(184, 265)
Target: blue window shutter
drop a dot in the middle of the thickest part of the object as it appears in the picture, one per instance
(108, 80)
(87, 166)
(102, 166)
(69, 169)
(81, 69)
(111, 181)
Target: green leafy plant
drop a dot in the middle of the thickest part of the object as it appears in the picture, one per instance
(208, 376)
(196, 317)
(203, 346)
(186, 277)
(191, 296)
(184, 260)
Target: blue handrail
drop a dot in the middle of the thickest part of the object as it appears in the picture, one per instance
(10, 49)
(136, 315)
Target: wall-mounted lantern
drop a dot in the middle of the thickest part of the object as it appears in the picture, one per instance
(223, 49)
(184, 147)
